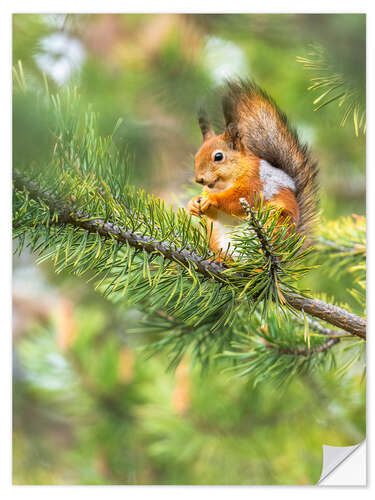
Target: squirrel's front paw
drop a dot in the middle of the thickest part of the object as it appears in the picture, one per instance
(207, 202)
(194, 206)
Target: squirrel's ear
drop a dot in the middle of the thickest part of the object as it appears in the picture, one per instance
(204, 124)
(232, 134)
(233, 137)
(228, 110)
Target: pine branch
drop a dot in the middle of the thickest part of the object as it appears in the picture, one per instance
(306, 351)
(341, 249)
(315, 307)
(65, 215)
(265, 243)
(331, 314)
(335, 86)
(317, 327)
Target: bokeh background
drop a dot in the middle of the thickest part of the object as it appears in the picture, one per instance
(89, 406)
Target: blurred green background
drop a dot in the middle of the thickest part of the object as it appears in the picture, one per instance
(88, 406)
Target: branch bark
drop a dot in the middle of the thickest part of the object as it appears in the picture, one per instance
(332, 314)
(211, 269)
(317, 327)
(304, 351)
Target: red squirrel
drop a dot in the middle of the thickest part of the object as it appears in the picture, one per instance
(257, 154)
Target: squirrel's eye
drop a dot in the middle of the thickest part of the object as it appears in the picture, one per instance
(218, 156)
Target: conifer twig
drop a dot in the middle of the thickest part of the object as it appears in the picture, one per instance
(315, 307)
(305, 351)
(211, 269)
(331, 314)
(315, 325)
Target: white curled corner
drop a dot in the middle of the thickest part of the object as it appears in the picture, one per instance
(344, 465)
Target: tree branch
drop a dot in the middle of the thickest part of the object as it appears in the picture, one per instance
(330, 313)
(305, 351)
(340, 248)
(316, 326)
(211, 269)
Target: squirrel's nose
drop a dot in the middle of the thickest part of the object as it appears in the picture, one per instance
(200, 180)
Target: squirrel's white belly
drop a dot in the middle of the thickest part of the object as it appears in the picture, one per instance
(223, 227)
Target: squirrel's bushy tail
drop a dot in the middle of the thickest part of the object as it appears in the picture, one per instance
(265, 131)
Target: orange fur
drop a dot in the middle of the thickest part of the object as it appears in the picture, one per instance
(237, 176)
(286, 200)
(264, 131)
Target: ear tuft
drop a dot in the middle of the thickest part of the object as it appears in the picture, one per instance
(204, 124)
(233, 136)
(228, 109)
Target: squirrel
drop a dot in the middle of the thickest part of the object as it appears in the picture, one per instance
(258, 156)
